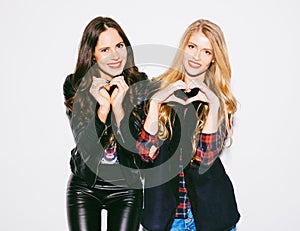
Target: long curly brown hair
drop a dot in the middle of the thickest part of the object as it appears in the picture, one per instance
(86, 67)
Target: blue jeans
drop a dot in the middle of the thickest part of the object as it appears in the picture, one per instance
(184, 224)
(187, 224)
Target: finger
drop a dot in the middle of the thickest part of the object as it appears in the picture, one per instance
(98, 83)
(173, 98)
(176, 86)
(181, 84)
(199, 97)
(116, 83)
(103, 91)
(99, 80)
(120, 79)
(193, 84)
(96, 93)
(121, 85)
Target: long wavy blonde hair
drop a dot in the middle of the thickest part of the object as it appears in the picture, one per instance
(217, 78)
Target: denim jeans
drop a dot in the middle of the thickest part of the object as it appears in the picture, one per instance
(187, 224)
(184, 224)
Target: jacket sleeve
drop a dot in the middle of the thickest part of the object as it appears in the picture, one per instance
(131, 133)
(87, 133)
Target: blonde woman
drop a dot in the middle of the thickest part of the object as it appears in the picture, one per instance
(184, 125)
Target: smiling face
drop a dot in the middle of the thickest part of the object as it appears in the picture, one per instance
(110, 53)
(198, 55)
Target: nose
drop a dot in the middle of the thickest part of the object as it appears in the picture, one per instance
(115, 55)
(197, 54)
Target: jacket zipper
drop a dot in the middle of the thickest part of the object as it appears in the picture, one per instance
(97, 170)
(134, 160)
(120, 133)
(141, 179)
(140, 175)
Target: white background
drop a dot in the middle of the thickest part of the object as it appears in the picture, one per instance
(38, 48)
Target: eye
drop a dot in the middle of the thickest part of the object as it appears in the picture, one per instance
(104, 50)
(207, 52)
(120, 45)
(191, 46)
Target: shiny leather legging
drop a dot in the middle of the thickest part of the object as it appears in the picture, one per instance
(84, 205)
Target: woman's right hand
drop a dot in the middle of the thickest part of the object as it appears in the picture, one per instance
(162, 96)
(167, 94)
(101, 95)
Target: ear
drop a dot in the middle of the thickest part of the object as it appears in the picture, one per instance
(93, 58)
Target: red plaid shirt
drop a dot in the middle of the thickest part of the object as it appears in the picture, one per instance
(144, 144)
(181, 210)
(209, 146)
(208, 149)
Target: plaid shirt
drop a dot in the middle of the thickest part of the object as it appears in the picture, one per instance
(209, 146)
(208, 149)
(144, 144)
(181, 210)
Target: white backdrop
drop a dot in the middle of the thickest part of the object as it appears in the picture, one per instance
(38, 48)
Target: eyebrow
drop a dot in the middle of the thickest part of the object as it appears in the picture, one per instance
(120, 42)
(101, 48)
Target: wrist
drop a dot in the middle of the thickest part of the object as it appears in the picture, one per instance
(214, 107)
(154, 105)
(103, 113)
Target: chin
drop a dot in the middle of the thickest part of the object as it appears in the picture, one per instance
(118, 73)
(194, 73)
(113, 73)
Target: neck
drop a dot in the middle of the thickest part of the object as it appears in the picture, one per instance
(198, 79)
(105, 75)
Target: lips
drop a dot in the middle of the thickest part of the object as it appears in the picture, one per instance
(193, 64)
(115, 65)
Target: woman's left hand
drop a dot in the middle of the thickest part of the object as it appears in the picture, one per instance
(205, 94)
(118, 93)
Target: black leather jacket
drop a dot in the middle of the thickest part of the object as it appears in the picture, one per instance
(91, 139)
(211, 193)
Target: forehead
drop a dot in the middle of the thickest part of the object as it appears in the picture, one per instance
(200, 39)
(109, 37)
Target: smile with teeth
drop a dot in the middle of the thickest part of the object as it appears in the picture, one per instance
(115, 64)
(194, 64)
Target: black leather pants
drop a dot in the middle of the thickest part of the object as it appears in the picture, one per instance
(84, 205)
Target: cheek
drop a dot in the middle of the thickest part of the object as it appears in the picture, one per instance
(123, 54)
(208, 62)
(185, 62)
(187, 54)
(185, 58)
(101, 58)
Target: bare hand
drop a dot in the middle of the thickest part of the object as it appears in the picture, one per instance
(99, 92)
(119, 92)
(205, 94)
(167, 94)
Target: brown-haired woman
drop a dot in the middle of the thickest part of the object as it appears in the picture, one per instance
(93, 97)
